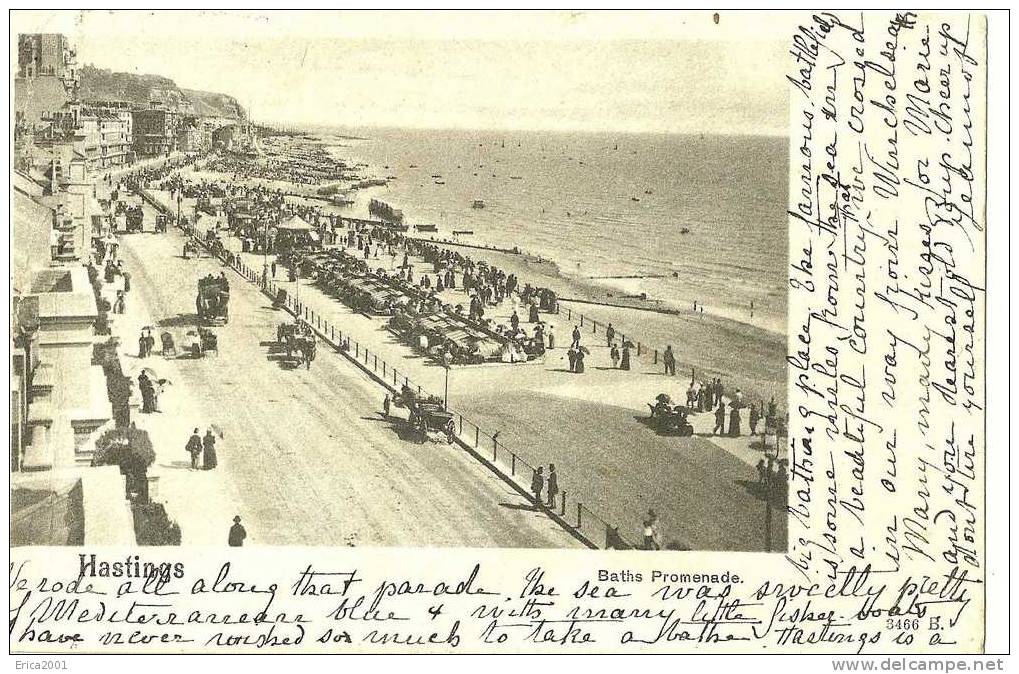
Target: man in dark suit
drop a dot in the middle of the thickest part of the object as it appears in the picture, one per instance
(237, 533)
(719, 419)
(194, 448)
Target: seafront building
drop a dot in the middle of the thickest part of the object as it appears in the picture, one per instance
(155, 131)
(61, 370)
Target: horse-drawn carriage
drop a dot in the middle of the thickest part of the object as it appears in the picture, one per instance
(191, 249)
(135, 219)
(200, 341)
(297, 341)
(667, 419)
(212, 302)
(162, 222)
(427, 417)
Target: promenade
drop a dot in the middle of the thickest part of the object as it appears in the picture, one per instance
(704, 488)
(304, 455)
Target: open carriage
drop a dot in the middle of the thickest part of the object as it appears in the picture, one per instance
(667, 419)
(297, 341)
(200, 341)
(428, 417)
(212, 302)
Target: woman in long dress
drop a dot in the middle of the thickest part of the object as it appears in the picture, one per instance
(624, 364)
(209, 451)
(734, 420)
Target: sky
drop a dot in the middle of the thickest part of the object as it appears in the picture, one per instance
(667, 72)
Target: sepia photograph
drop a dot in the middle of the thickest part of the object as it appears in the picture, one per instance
(508, 332)
(280, 288)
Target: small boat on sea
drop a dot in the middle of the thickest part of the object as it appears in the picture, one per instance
(426, 228)
(436, 175)
(458, 232)
(685, 230)
(440, 182)
(516, 177)
(413, 166)
(478, 203)
(634, 199)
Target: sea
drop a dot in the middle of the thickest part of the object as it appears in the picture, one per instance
(679, 218)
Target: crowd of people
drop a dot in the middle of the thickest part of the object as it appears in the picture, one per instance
(486, 286)
(255, 212)
(307, 169)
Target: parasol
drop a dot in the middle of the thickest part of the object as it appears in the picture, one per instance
(151, 374)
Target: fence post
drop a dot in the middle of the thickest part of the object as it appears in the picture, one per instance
(594, 327)
(495, 450)
(580, 521)
(375, 366)
(357, 350)
(562, 509)
(638, 348)
(656, 356)
(513, 465)
(581, 319)
(477, 435)
(459, 415)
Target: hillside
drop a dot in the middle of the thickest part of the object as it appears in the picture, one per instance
(96, 84)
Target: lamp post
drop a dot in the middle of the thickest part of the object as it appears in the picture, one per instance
(772, 486)
(265, 250)
(445, 392)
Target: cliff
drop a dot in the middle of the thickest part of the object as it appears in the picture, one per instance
(96, 84)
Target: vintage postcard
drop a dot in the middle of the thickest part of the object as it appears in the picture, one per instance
(498, 332)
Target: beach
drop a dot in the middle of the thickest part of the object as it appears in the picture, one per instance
(679, 219)
(593, 427)
(717, 340)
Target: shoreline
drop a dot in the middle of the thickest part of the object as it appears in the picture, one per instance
(591, 290)
(626, 289)
(746, 355)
